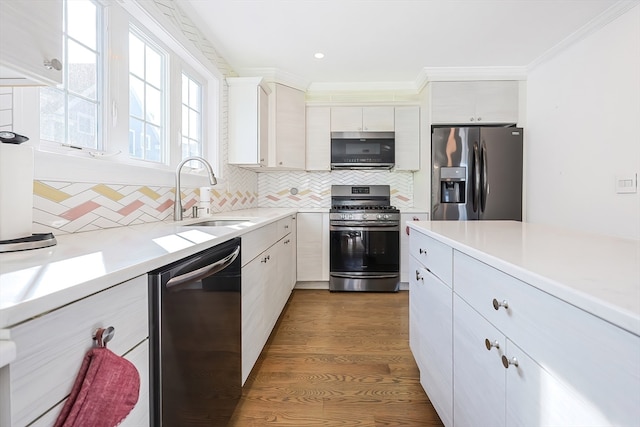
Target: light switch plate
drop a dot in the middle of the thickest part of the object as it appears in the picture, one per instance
(627, 183)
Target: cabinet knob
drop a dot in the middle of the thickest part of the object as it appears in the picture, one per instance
(497, 304)
(479, 118)
(471, 119)
(423, 251)
(506, 361)
(491, 344)
(418, 276)
(53, 64)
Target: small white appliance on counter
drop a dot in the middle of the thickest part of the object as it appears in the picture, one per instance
(16, 196)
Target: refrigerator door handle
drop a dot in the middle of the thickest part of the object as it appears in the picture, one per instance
(476, 176)
(484, 192)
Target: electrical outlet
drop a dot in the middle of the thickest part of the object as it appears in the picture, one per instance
(627, 183)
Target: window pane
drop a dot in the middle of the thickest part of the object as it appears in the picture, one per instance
(154, 146)
(52, 115)
(136, 138)
(136, 97)
(82, 70)
(194, 125)
(82, 122)
(154, 67)
(195, 93)
(154, 105)
(136, 56)
(82, 22)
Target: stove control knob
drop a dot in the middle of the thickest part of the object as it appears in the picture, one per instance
(364, 216)
(387, 216)
(379, 216)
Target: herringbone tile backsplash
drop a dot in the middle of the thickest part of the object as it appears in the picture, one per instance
(313, 189)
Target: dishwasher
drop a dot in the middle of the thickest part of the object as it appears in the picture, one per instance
(195, 338)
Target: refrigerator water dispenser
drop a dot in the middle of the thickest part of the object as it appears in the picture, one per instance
(452, 185)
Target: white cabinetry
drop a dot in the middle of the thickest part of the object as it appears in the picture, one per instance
(267, 278)
(404, 241)
(407, 134)
(318, 138)
(51, 348)
(31, 34)
(313, 247)
(248, 121)
(474, 102)
(430, 325)
(351, 119)
(287, 128)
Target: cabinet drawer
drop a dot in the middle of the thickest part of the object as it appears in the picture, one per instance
(599, 360)
(139, 415)
(285, 226)
(257, 241)
(50, 348)
(434, 255)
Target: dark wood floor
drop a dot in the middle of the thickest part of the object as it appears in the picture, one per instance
(337, 359)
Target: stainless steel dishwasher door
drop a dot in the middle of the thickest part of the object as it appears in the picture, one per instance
(195, 327)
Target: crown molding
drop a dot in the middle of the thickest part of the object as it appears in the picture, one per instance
(609, 15)
(275, 75)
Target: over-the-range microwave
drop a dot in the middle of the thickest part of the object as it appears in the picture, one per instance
(362, 150)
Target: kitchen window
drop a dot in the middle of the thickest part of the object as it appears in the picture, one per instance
(69, 114)
(119, 116)
(147, 89)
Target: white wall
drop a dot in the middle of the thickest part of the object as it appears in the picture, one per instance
(583, 128)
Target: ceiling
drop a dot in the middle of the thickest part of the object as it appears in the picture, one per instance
(386, 40)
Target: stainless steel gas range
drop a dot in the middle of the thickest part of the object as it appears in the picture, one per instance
(364, 239)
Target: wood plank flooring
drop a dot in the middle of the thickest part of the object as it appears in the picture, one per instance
(337, 359)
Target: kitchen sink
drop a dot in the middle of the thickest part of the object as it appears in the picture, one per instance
(218, 223)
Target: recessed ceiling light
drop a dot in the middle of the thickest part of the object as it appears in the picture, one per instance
(319, 55)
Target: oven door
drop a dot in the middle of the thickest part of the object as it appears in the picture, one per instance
(364, 250)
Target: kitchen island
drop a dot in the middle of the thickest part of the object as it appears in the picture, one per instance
(538, 325)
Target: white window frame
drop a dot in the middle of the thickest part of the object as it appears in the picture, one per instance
(113, 165)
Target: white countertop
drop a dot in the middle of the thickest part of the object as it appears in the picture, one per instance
(599, 274)
(37, 281)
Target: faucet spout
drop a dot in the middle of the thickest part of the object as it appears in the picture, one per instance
(177, 205)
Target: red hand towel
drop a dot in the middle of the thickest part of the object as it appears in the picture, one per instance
(105, 391)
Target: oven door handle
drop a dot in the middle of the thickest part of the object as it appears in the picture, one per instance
(364, 228)
(175, 283)
(365, 275)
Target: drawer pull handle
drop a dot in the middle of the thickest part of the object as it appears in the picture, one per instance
(103, 336)
(506, 362)
(491, 344)
(418, 276)
(497, 304)
(423, 251)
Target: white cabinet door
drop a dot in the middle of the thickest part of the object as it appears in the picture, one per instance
(318, 153)
(431, 335)
(288, 136)
(407, 131)
(248, 121)
(31, 33)
(313, 247)
(479, 377)
(404, 242)
(353, 119)
(474, 102)
(378, 119)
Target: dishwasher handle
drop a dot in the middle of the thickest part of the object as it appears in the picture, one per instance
(177, 282)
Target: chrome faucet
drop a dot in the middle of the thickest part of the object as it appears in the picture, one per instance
(177, 205)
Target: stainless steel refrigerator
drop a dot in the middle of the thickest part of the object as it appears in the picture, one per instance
(476, 173)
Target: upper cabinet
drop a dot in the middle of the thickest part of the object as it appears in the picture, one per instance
(248, 121)
(474, 102)
(31, 38)
(318, 138)
(354, 119)
(407, 130)
(266, 124)
(287, 128)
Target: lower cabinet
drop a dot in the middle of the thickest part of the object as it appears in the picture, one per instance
(267, 280)
(516, 356)
(51, 348)
(404, 241)
(313, 247)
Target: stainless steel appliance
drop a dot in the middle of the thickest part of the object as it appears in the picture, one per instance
(364, 239)
(476, 173)
(195, 326)
(362, 150)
